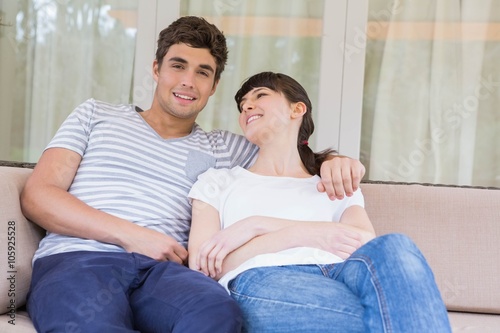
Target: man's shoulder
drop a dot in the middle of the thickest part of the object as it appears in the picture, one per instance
(93, 106)
(215, 132)
(211, 133)
(106, 106)
(217, 135)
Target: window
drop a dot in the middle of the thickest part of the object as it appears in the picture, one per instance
(281, 36)
(60, 53)
(432, 92)
(55, 55)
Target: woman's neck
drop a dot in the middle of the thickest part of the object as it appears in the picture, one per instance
(279, 162)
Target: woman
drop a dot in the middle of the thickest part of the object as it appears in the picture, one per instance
(294, 260)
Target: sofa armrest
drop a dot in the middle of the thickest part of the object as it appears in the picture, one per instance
(19, 238)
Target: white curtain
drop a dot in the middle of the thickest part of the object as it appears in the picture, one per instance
(280, 35)
(76, 49)
(432, 92)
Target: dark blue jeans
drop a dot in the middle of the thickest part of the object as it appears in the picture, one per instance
(126, 292)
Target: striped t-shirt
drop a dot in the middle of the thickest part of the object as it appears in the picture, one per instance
(129, 171)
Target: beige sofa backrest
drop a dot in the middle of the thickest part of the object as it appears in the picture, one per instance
(457, 229)
(19, 239)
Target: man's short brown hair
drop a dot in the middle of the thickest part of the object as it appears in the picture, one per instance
(195, 32)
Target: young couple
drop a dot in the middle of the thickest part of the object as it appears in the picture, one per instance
(111, 189)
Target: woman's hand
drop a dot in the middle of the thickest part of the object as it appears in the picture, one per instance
(212, 252)
(335, 238)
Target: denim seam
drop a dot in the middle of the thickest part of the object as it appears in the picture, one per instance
(233, 294)
(376, 285)
(325, 269)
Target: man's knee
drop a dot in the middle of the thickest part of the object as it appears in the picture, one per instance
(212, 312)
(65, 297)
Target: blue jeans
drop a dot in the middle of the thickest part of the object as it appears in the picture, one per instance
(385, 286)
(126, 292)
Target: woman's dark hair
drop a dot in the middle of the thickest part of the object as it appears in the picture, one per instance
(195, 32)
(293, 92)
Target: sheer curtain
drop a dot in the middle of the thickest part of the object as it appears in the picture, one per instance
(57, 53)
(280, 35)
(66, 52)
(432, 92)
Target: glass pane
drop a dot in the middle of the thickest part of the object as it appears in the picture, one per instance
(281, 36)
(432, 90)
(55, 55)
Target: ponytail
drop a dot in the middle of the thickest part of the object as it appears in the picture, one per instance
(312, 161)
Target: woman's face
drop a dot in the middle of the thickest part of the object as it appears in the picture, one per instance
(264, 114)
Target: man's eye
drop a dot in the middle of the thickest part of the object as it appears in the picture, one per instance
(204, 74)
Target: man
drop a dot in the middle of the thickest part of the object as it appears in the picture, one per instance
(111, 190)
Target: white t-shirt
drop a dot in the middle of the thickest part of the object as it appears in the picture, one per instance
(238, 193)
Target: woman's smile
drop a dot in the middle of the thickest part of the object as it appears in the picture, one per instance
(252, 118)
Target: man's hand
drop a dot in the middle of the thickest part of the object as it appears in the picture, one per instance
(340, 175)
(156, 245)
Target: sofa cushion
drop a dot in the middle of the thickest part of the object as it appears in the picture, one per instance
(18, 236)
(474, 322)
(21, 324)
(458, 231)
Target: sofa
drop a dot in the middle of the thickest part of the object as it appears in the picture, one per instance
(456, 227)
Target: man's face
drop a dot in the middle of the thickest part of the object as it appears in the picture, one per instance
(185, 80)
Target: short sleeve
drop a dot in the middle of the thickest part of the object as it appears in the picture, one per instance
(356, 199)
(209, 186)
(75, 130)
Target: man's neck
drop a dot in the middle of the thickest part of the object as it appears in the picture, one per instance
(168, 127)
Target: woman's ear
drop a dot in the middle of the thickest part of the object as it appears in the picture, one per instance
(298, 110)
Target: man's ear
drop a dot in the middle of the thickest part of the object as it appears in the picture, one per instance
(298, 110)
(214, 88)
(156, 70)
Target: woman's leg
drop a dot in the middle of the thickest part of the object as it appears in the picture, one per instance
(295, 299)
(396, 286)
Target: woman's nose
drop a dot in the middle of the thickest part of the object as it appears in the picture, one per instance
(247, 107)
